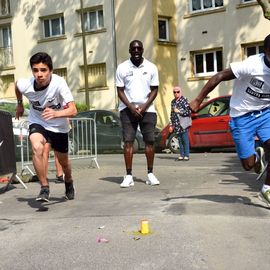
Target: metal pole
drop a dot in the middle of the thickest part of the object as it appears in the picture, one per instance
(114, 51)
(87, 101)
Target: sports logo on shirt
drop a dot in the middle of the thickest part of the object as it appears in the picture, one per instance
(51, 100)
(130, 73)
(256, 94)
(256, 83)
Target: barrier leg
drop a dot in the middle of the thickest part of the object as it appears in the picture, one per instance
(95, 160)
(18, 178)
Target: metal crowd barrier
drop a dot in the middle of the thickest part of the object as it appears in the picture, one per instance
(82, 142)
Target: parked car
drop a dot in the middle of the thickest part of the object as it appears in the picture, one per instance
(210, 127)
(108, 132)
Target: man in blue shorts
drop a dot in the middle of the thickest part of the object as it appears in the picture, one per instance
(51, 103)
(137, 86)
(249, 110)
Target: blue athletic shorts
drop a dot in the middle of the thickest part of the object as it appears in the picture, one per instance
(246, 127)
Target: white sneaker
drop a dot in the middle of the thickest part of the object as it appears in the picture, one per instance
(152, 180)
(127, 182)
(259, 163)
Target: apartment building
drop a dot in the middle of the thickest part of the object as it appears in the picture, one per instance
(212, 34)
(189, 41)
(153, 22)
(27, 27)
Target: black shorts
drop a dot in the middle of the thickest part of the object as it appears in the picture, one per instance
(130, 125)
(58, 141)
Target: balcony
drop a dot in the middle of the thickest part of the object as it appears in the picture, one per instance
(6, 57)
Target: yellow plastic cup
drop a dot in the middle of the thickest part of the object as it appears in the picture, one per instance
(144, 227)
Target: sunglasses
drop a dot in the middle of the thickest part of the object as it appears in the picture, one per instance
(176, 92)
(134, 49)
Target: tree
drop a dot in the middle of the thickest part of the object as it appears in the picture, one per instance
(265, 4)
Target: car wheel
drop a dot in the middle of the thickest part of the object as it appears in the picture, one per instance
(173, 143)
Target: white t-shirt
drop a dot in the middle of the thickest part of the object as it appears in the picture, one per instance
(251, 91)
(137, 82)
(55, 96)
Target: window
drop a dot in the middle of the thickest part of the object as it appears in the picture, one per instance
(163, 29)
(202, 5)
(253, 49)
(207, 63)
(54, 26)
(62, 72)
(93, 20)
(4, 7)
(96, 76)
(5, 36)
(6, 52)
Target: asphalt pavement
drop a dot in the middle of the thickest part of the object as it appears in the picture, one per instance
(205, 214)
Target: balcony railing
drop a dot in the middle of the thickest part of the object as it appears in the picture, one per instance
(4, 8)
(6, 57)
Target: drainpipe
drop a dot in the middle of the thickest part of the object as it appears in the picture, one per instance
(87, 101)
(114, 52)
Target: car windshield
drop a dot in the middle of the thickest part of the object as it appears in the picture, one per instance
(216, 108)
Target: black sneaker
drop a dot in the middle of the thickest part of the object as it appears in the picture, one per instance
(43, 195)
(70, 192)
(59, 179)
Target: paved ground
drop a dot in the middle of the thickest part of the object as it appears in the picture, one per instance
(204, 215)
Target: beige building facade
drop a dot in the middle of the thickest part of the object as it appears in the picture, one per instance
(210, 38)
(189, 41)
(55, 27)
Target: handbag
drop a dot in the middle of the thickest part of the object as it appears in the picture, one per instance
(185, 121)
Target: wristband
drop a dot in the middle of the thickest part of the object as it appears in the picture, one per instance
(19, 101)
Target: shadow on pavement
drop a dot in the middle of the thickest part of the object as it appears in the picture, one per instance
(231, 199)
(3, 189)
(41, 206)
(118, 180)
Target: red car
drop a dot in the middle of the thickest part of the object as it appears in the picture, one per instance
(210, 127)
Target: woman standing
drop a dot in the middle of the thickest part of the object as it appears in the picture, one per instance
(180, 121)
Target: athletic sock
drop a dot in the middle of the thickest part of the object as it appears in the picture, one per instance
(149, 170)
(129, 171)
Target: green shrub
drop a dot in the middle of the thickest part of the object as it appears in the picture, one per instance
(10, 107)
(81, 107)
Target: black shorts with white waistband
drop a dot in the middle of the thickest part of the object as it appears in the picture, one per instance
(58, 141)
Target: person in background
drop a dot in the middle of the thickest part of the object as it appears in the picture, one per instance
(51, 104)
(59, 171)
(58, 168)
(137, 86)
(249, 110)
(180, 110)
